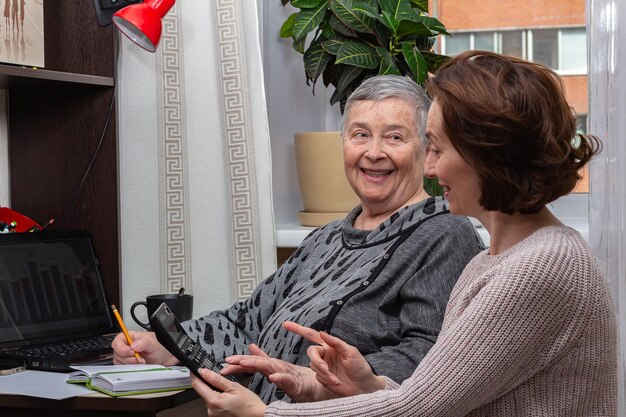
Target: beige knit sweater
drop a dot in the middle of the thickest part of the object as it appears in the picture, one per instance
(528, 332)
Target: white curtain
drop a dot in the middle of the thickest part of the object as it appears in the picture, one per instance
(194, 158)
(606, 20)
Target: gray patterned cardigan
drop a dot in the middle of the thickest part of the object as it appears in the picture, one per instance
(384, 291)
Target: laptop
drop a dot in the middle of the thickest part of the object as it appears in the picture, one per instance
(53, 307)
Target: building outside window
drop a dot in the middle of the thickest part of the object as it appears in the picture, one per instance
(562, 49)
(550, 33)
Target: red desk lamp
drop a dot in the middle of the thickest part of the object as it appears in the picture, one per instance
(141, 23)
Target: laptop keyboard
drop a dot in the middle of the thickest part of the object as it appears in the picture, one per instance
(67, 349)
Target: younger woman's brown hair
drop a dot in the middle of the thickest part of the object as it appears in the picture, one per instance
(508, 118)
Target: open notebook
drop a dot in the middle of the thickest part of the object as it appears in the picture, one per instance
(53, 308)
(123, 380)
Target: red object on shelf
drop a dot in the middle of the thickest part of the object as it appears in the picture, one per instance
(23, 223)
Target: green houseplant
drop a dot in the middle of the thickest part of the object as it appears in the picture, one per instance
(356, 39)
(347, 41)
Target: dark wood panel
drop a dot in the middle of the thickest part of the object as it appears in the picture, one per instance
(55, 125)
(16, 405)
(283, 254)
(48, 412)
(74, 42)
(54, 132)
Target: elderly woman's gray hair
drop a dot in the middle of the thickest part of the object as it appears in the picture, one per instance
(392, 86)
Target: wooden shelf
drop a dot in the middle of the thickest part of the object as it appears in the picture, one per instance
(56, 119)
(13, 76)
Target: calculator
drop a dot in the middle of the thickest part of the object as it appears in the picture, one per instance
(175, 339)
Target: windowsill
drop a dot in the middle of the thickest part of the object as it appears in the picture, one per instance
(574, 73)
(290, 235)
(570, 209)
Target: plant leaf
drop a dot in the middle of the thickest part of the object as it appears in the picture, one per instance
(432, 187)
(308, 20)
(299, 45)
(387, 64)
(336, 97)
(332, 45)
(424, 43)
(357, 54)
(327, 30)
(348, 75)
(340, 27)
(286, 30)
(421, 5)
(330, 74)
(394, 11)
(417, 63)
(411, 30)
(353, 17)
(306, 4)
(382, 34)
(434, 60)
(315, 61)
(367, 8)
(349, 79)
(432, 24)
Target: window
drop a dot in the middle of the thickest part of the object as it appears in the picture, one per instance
(458, 43)
(485, 41)
(513, 42)
(545, 47)
(564, 50)
(573, 57)
(581, 123)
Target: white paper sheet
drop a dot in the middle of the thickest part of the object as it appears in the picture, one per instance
(50, 385)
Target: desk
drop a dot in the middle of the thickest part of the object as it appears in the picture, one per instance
(174, 404)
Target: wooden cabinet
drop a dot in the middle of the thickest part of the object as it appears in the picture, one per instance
(56, 119)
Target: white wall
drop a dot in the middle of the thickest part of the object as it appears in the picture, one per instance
(292, 107)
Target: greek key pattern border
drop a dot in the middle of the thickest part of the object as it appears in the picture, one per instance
(175, 256)
(240, 154)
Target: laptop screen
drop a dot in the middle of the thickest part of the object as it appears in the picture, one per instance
(50, 289)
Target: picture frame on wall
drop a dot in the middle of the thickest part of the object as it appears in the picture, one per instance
(21, 32)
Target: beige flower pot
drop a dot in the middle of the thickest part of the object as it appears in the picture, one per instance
(326, 193)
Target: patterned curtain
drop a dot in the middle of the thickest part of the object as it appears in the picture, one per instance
(195, 162)
(607, 210)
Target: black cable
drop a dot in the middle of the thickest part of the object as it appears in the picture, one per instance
(70, 209)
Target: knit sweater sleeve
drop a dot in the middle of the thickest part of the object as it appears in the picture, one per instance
(509, 322)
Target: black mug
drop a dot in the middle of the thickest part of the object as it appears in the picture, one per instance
(181, 305)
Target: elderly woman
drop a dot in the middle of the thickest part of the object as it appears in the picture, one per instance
(379, 279)
(529, 329)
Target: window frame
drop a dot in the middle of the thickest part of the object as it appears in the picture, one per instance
(527, 43)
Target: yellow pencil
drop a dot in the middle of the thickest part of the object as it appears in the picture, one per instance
(123, 327)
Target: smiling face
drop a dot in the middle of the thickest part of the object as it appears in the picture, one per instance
(382, 158)
(459, 180)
